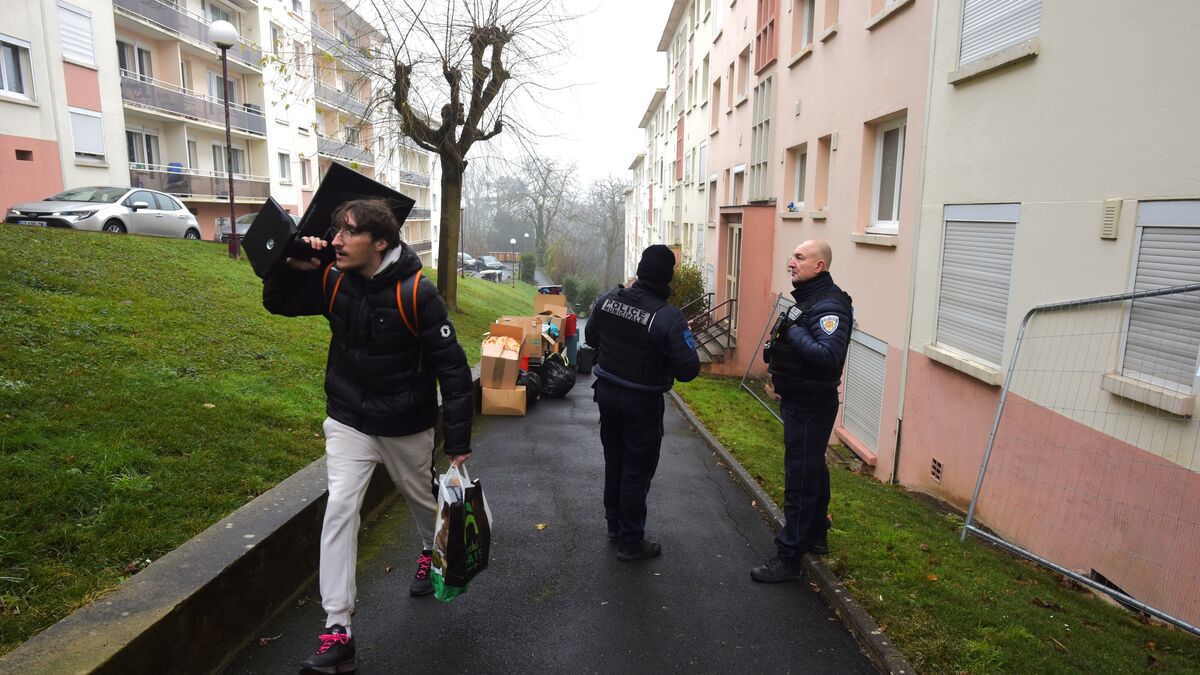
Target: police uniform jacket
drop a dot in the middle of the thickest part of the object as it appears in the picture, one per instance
(808, 356)
(380, 378)
(641, 342)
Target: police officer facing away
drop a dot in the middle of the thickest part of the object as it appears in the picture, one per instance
(643, 345)
(805, 356)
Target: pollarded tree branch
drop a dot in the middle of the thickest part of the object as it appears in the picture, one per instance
(411, 124)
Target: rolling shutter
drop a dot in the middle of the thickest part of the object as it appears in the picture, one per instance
(866, 363)
(75, 33)
(991, 25)
(88, 132)
(1164, 332)
(976, 275)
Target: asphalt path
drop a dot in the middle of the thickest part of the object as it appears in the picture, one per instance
(555, 598)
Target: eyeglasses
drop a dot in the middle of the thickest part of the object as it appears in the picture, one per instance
(344, 230)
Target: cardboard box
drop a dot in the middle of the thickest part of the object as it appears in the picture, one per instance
(504, 401)
(554, 304)
(498, 366)
(558, 321)
(533, 334)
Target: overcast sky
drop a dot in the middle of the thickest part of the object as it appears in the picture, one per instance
(613, 69)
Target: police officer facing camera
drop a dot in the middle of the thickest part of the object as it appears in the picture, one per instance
(642, 345)
(806, 355)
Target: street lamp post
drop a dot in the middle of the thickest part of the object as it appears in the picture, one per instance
(523, 250)
(513, 242)
(224, 35)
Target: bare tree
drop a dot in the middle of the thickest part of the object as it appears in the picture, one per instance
(548, 191)
(460, 58)
(606, 207)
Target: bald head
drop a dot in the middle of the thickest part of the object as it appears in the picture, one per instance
(810, 259)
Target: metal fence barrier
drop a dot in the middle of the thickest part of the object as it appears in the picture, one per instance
(1092, 466)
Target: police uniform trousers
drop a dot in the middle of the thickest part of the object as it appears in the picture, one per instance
(350, 458)
(631, 430)
(807, 424)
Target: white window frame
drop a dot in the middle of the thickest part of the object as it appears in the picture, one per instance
(759, 188)
(887, 226)
(134, 58)
(305, 172)
(76, 41)
(241, 170)
(808, 22)
(284, 159)
(799, 174)
(20, 49)
(701, 166)
(1159, 215)
(147, 144)
(96, 136)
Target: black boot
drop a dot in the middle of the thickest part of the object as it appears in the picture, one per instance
(644, 550)
(335, 655)
(777, 570)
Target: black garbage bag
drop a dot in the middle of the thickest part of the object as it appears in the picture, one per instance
(532, 383)
(585, 360)
(557, 377)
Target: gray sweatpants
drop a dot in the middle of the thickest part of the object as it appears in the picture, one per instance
(350, 458)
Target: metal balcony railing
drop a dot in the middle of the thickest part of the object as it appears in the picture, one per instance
(413, 178)
(189, 25)
(343, 150)
(185, 183)
(168, 98)
(350, 54)
(421, 246)
(340, 99)
(418, 214)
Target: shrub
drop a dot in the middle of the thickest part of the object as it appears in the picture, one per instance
(570, 288)
(589, 290)
(528, 265)
(687, 285)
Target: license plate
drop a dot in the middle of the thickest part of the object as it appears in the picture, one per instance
(36, 223)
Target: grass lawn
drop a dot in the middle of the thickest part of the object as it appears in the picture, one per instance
(144, 394)
(950, 607)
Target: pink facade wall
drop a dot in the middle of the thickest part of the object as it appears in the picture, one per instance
(1069, 493)
(83, 86)
(849, 80)
(30, 180)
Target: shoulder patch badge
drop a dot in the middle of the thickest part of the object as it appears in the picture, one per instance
(829, 323)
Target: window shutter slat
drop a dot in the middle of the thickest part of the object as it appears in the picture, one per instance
(1164, 332)
(75, 34)
(991, 25)
(88, 133)
(976, 276)
(863, 408)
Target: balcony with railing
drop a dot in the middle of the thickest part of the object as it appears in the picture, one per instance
(337, 149)
(183, 23)
(188, 183)
(412, 178)
(353, 55)
(340, 99)
(419, 247)
(144, 92)
(418, 214)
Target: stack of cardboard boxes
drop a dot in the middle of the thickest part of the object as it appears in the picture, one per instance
(537, 336)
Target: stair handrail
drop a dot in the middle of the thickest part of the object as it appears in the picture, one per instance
(725, 323)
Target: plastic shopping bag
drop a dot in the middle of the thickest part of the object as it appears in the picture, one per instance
(462, 535)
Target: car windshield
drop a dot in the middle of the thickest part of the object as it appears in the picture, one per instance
(99, 195)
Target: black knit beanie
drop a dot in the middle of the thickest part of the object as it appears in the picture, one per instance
(657, 264)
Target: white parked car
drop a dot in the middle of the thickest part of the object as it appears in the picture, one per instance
(112, 209)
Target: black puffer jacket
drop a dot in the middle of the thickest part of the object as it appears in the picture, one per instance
(812, 352)
(380, 378)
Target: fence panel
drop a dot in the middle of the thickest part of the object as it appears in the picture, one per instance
(1093, 463)
(756, 380)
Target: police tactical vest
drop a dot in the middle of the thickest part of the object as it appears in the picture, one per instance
(627, 350)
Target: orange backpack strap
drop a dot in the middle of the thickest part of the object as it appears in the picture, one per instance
(325, 285)
(407, 288)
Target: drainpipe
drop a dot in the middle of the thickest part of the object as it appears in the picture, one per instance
(912, 274)
(47, 43)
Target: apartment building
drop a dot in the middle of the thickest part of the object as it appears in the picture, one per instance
(137, 98)
(791, 128)
(1059, 168)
